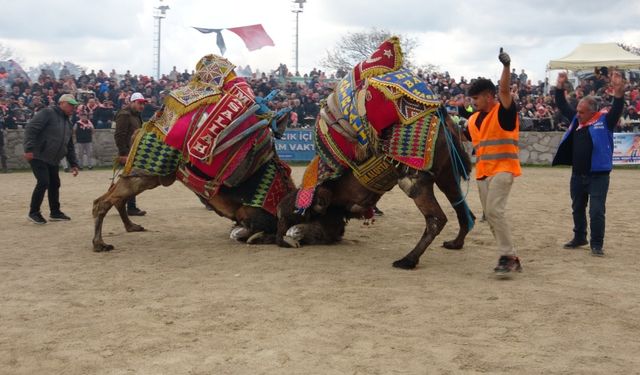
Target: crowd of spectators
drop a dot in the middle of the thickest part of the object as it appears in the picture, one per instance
(102, 94)
(535, 102)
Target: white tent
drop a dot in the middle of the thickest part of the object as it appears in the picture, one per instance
(591, 55)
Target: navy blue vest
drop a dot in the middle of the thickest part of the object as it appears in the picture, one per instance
(602, 139)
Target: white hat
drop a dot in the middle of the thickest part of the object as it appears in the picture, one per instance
(136, 96)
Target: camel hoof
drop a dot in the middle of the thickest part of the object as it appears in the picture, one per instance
(239, 233)
(255, 238)
(452, 245)
(405, 264)
(135, 228)
(295, 232)
(291, 242)
(262, 238)
(101, 247)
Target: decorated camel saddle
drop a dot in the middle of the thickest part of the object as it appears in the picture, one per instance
(380, 116)
(213, 132)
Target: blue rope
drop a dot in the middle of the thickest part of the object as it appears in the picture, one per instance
(457, 164)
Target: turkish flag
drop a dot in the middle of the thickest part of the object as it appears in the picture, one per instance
(253, 36)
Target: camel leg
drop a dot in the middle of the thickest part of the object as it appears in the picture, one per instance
(287, 217)
(324, 229)
(100, 209)
(420, 189)
(455, 197)
(117, 195)
(240, 233)
(255, 226)
(129, 226)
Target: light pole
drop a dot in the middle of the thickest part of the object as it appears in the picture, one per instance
(297, 12)
(160, 14)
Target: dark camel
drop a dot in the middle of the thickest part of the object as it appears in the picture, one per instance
(337, 201)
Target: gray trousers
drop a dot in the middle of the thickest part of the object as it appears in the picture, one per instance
(85, 149)
(3, 154)
(494, 192)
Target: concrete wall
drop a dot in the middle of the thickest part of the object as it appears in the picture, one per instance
(104, 148)
(535, 147)
(538, 147)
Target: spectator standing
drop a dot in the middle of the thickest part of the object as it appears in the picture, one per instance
(3, 154)
(494, 132)
(36, 104)
(47, 139)
(83, 131)
(64, 72)
(103, 115)
(149, 109)
(128, 120)
(523, 78)
(174, 74)
(297, 108)
(588, 147)
(20, 112)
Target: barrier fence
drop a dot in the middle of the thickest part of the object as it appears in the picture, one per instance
(297, 145)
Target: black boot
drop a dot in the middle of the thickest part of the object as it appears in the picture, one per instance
(575, 243)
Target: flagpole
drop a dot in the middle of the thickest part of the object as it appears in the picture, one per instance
(159, 16)
(297, 12)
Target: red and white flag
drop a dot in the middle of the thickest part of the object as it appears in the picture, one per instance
(253, 36)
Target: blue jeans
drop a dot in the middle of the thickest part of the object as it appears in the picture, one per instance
(584, 188)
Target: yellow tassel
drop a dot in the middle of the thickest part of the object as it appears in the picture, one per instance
(361, 152)
(372, 72)
(374, 139)
(310, 178)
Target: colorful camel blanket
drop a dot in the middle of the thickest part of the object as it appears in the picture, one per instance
(219, 139)
(414, 144)
(213, 134)
(393, 115)
(264, 189)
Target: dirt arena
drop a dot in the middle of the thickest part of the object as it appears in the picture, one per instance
(183, 299)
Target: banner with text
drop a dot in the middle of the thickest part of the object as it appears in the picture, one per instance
(296, 145)
(626, 148)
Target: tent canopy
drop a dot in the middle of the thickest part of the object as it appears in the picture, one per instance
(591, 55)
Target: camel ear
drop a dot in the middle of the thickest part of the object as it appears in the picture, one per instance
(280, 124)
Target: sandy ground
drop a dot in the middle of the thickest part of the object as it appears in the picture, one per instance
(183, 299)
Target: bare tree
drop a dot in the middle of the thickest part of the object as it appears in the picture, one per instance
(7, 53)
(358, 46)
(54, 68)
(427, 69)
(630, 48)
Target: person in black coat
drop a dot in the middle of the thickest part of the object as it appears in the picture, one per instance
(47, 139)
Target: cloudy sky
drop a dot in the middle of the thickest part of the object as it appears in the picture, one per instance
(462, 37)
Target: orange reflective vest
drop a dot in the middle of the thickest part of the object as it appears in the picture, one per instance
(496, 149)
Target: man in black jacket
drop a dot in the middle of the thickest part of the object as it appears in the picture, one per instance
(47, 139)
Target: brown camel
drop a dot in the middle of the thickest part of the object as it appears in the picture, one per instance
(214, 135)
(253, 224)
(336, 201)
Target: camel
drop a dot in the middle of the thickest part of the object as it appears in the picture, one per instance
(239, 175)
(317, 213)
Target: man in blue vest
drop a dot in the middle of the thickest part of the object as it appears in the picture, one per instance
(588, 147)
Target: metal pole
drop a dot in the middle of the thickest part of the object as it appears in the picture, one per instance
(297, 71)
(159, 38)
(161, 12)
(297, 12)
